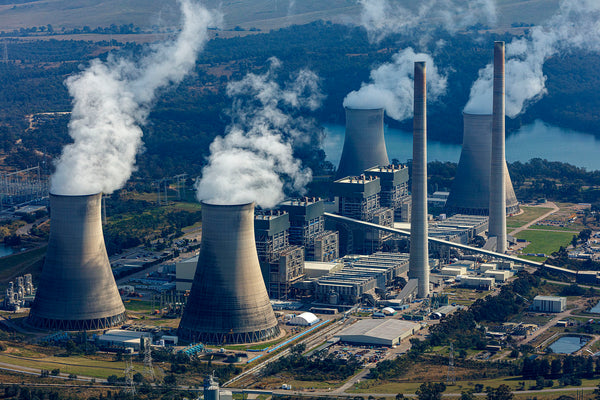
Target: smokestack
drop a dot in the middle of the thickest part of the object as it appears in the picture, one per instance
(497, 225)
(364, 143)
(228, 301)
(470, 193)
(77, 290)
(419, 252)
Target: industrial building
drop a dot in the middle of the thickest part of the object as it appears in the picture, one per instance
(549, 304)
(184, 273)
(476, 282)
(19, 293)
(470, 192)
(307, 229)
(228, 302)
(377, 332)
(358, 197)
(360, 276)
(394, 189)
(364, 143)
(315, 269)
(77, 290)
(499, 276)
(213, 392)
(118, 339)
(282, 263)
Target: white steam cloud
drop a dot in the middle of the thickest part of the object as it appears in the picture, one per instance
(392, 87)
(112, 99)
(576, 25)
(255, 161)
(384, 17)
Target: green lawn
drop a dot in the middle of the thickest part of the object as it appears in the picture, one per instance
(138, 305)
(528, 215)
(544, 242)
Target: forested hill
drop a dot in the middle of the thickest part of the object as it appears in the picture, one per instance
(185, 120)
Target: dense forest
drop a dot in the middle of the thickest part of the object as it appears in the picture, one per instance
(186, 119)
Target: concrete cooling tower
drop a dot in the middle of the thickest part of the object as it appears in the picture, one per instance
(364, 144)
(228, 302)
(470, 193)
(77, 290)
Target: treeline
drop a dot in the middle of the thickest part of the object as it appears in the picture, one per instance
(186, 119)
(317, 367)
(568, 370)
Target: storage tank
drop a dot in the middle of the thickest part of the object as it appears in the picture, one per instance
(364, 143)
(228, 302)
(470, 193)
(77, 290)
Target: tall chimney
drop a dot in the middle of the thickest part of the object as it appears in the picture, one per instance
(497, 224)
(228, 301)
(77, 290)
(364, 143)
(419, 253)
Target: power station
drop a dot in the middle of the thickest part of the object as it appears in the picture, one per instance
(228, 302)
(364, 143)
(77, 290)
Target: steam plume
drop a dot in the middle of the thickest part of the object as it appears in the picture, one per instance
(574, 26)
(112, 99)
(254, 161)
(384, 17)
(392, 88)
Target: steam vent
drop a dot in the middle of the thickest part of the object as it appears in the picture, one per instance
(470, 192)
(228, 301)
(77, 290)
(364, 144)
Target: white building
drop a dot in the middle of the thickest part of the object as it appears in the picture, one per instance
(549, 304)
(304, 319)
(476, 282)
(499, 276)
(378, 332)
(184, 274)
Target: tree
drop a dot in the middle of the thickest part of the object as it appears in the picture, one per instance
(597, 392)
(430, 391)
(467, 395)
(502, 392)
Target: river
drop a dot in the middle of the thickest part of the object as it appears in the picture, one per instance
(539, 140)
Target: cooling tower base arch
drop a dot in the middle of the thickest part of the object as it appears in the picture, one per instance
(217, 338)
(77, 325)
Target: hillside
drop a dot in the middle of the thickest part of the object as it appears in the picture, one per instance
(260, 14)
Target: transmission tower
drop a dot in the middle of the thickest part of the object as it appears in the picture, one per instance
(148, 369)
(451, 380)
(129, 376)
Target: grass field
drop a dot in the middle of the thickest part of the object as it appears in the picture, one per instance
(21, 263)
(70, 365)
(571, 229)
(137, 305)
(528, 215)
(544, 242)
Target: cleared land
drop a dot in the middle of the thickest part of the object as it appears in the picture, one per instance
(543, 241)
(529, 214)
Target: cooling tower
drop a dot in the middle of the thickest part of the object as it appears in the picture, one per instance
(419, 253)
(364, 144)
(228, 301)
(77, 290)
(470, 193)
(497, 225)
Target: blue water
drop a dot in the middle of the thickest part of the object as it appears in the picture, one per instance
(5, 251)
(595, 309)
(536, 140)
(568, 344)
